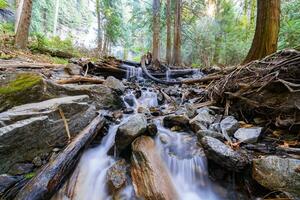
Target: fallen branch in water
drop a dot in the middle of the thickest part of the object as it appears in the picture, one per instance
(79, 79)
(52, 176)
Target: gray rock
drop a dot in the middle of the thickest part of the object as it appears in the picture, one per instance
(176, 120)
(202, 121)
(128, 111)
(129, 99)
(7, 181)
(37, 161)
(223, 155)
(116, 176)
(36, 89)
(248, 135)
(115, 84)
(31, 130)
(229, 125)
(191, 112)
(214, 134)
(277, 173)
(134, 126)
(215, 127)
(21, 168)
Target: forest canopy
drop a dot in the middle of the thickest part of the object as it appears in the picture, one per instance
(214, 32)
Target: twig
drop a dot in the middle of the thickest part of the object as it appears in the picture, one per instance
(65, 123)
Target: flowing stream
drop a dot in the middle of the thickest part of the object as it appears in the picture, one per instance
(184, 159)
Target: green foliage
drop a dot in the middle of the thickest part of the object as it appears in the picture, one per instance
(290, 24)
(3, 4)
(22, 83)
(40, 42)
(6, 28)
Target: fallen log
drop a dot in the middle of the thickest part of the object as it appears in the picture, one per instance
(79, 79)
(17, 64)
(52, 176)
(56, 53)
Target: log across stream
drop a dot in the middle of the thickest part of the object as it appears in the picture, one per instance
(178, 165)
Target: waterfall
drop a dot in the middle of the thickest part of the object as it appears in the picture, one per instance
(132, 71)
(168, 72)
(187, 164)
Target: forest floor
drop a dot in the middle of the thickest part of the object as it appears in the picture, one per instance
(251, 110)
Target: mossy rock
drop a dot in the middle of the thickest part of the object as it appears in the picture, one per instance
(20, 88)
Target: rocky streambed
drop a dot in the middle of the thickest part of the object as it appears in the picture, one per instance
(159, 142)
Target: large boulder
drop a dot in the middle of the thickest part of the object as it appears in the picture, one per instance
(133, 127)
(248, 135)
(22, 88)
(115, 84)
(150, 177)
(223, 155)
(7, 181)
(278, 174)
(31, 130)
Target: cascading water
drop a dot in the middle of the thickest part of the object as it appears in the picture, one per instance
(179, 150)
(132, 71)
(187, 164)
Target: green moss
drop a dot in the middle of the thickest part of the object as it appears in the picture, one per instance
(22, 82)
(57, 60)
(30, 175)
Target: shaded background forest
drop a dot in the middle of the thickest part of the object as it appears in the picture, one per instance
(214, 32)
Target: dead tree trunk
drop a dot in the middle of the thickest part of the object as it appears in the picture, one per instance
(22, 28)
(267, 29)
(52, 176)
(99, 36)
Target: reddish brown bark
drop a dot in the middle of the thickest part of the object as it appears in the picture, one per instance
(22, 30)
(156, 30)
(267, 29)
(177, 34)
(169, 42)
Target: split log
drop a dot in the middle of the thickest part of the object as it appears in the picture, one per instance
(78, 79)
(52, 176)
(56, 53)
(202, 80)
(17, 64)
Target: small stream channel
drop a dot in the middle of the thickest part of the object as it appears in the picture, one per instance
(183, 158)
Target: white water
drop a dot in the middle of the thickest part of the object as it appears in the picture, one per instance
(187, 164)
(183, 158)
(132, 71)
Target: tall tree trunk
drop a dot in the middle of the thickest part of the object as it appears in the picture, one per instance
(218, 35)
(156, 30)
(169, 39)
(99, 33)
(267, 29)
(177, 34)
(19, 5)
(22, 31)
(56, 17)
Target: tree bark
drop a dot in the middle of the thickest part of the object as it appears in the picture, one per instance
(22, 30)
(169, 42)
(156, 30)
(177, 34)
(267, 29)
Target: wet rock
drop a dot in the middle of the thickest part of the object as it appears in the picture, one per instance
(116, 176)
(160, 98)
(138, 93)
(152, 130)
(129, 99)
(223, 155)
(191, 112)
(176, 120)
(73, 69)
(134, 127)
(21, 168)
(128, 111)
(7, 181)
(248, 135)
(229, 125)
(155, 111)
(114, 84)
(278, 174)
(214, 134)
(143, 110)
(215, 127)
(31, 130)
(150, 176)
(202, 120)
